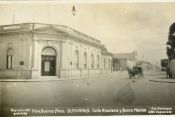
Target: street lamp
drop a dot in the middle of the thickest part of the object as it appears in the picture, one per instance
(73, 10)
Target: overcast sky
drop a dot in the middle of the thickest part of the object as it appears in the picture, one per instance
(122, 27)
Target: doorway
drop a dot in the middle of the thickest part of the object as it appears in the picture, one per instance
(48, 63)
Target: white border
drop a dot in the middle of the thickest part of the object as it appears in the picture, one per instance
(83, 1)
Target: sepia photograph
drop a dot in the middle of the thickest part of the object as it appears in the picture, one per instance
(87, 58)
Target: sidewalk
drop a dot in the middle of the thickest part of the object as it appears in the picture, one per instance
(163, 80)
(56, 78)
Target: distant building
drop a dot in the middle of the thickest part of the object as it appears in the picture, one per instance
(123, 60)
(35, 50)
(145, 65)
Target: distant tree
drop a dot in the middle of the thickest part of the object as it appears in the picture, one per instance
(171, 42)
(170, 53)
(172, 29)
(164, 62)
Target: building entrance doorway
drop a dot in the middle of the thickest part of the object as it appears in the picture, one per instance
(48, 63)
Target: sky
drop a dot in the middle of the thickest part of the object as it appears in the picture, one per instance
(122, 27)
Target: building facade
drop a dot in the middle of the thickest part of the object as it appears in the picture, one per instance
(35, 50)
(122, 61)
(145, 65)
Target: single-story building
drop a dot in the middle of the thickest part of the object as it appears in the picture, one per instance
(122, 61)
(37, 50)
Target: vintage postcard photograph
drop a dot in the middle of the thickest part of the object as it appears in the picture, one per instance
(87, 58)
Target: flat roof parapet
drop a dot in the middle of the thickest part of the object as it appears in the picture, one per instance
(34, 26)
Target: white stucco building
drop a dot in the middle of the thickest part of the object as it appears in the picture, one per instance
(36, 50)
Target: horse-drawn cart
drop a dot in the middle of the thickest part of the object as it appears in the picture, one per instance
(135, 71)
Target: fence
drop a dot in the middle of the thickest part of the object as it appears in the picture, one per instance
(68, 73)
(15, 74)
(61, 73)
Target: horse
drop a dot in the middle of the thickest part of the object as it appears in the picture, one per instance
(131, 72)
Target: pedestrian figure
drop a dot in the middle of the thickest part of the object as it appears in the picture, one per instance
(169, 74)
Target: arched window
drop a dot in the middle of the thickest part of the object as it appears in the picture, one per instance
(104, 63)
(109, 63)
(48, 51)
(85, 60)
(98, 61)
(76, 59)
(92, 61)
(10, 53)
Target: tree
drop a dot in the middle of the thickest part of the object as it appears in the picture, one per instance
(171, 42)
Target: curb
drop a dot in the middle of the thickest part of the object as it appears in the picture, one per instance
(161, 81)
(46, 80)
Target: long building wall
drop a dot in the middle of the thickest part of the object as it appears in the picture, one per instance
(70, 55)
